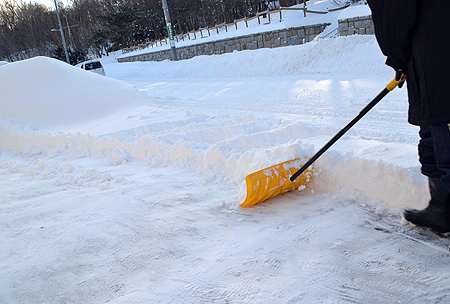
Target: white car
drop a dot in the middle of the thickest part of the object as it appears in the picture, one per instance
(93, 66)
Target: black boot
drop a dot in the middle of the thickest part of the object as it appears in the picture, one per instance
(436, 215)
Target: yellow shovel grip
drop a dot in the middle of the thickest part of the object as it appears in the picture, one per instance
(394, 83)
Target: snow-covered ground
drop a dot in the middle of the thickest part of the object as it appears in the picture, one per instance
(126, 189)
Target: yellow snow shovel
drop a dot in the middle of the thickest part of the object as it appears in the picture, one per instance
(269, 182)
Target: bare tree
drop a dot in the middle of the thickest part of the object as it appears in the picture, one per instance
(102, 25)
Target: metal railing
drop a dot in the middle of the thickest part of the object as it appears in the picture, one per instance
(201, 32)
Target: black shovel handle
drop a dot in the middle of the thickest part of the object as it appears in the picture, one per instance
(394, 83)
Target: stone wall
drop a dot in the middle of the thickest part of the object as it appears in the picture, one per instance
(273, 39)
(357, 25)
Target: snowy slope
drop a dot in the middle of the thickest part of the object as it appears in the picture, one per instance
(139, 202)
(290, 18)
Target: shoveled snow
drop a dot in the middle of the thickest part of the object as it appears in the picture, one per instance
(134, 198)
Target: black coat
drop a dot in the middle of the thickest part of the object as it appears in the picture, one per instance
(415, 37)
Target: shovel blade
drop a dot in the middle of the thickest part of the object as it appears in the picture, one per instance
(274, 180)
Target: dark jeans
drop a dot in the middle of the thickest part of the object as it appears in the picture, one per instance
(434, 152)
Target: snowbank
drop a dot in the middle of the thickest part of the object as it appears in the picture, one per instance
(353, 54)
(46, 92)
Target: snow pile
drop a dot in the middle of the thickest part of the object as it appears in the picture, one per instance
(46, 92)
(354, 54)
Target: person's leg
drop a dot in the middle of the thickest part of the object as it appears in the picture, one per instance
(441, 140)
(434, 156)
(427, 153)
